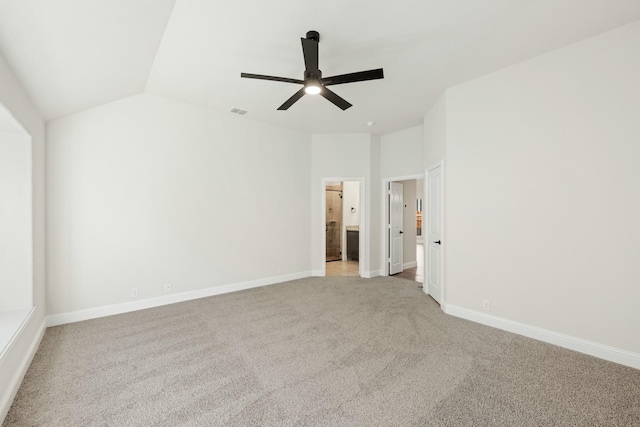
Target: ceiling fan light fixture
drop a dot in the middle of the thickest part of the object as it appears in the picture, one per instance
(312, 88)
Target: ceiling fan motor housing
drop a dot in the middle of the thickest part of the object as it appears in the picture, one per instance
(312, 75)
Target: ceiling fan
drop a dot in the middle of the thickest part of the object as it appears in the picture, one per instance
(313, 82)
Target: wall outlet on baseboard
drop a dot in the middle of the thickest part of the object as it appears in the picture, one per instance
(167, 288)
(134, 292)
(486, 305)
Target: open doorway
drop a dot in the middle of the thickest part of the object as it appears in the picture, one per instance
(403, 244)
(343, 218)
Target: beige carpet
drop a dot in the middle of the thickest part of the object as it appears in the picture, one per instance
(339, 351)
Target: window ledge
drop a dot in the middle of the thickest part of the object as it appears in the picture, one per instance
(11, 323)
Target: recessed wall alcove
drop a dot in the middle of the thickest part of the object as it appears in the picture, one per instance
(16, 236)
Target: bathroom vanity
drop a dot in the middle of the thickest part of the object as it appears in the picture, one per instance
(353, 242)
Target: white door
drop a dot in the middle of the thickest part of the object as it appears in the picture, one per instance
(434, 232)
(395, 228)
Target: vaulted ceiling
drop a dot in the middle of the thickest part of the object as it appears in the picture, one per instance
(72, 55)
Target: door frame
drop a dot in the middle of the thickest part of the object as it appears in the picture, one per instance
(384, 226)
(425, 287)
(362, 227)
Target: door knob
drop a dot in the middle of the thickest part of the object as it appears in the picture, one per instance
(401, 232)
(438, 242)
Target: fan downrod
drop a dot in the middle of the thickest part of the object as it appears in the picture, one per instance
(313, 35)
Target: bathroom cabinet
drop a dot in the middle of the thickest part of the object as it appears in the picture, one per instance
(353, 243)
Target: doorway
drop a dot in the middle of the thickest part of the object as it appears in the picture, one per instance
(402, 240)
(343, 218)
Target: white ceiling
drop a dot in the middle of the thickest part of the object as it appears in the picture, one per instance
(72, 55)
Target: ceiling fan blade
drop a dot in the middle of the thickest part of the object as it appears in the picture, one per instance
(310, 52)
(276, 79)
(354, 77)
(289, 102)
(331, 96)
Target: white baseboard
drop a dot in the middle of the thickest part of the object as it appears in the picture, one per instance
(365, 275)
(16, 381)
(410, 264)
(110, 310)
(371, 274)
(591, 348)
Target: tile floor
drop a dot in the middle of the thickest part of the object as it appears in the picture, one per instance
(342, 268)
(350, 268)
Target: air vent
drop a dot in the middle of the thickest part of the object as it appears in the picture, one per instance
(238, 111)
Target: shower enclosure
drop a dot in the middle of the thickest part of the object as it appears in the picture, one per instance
(334, 222)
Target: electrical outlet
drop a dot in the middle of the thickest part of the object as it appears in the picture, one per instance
(167, 288)
(486, 305)
(134, 292)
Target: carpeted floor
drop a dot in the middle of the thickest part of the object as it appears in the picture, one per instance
(340, 351)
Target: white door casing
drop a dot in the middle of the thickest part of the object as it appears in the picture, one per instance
(434, 261)
(396, 238)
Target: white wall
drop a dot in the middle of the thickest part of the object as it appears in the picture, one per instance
(543, 190)
(350, 199)
(147, 191)
(16, 269)
(435, 132)
(374, 217)
(14, 361)
(341, 156)
(401, 153)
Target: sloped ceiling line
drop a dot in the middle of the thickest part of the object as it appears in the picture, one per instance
(72, 55)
